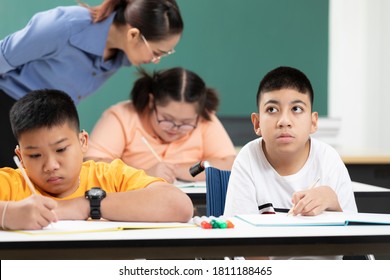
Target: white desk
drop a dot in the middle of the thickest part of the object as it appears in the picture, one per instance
(361, 187)
(187, 243)
(368, 198)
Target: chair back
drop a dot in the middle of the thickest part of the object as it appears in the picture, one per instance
(216, 187)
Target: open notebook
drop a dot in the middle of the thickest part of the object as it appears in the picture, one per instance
(73, 227)
(324, 219)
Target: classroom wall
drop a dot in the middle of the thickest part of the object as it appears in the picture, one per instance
(359, 71)
(231, 44)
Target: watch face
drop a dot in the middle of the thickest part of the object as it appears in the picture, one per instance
(95, 192)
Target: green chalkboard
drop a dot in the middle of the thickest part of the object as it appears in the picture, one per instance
(231, 44)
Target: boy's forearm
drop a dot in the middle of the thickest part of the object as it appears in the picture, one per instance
(334, 204)
(73, 209)
(159, 202)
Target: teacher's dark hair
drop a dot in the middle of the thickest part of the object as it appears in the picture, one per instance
(156, 19)
(174, 84)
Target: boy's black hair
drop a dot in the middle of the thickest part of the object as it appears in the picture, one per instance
(43, 108)
(285, 77)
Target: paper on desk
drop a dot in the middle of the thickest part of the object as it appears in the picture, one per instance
(282, 219)
(184, 184)
(73, 227)
(324, 219)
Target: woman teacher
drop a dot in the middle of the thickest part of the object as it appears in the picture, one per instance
(77, 48)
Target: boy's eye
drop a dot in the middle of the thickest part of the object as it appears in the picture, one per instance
(34, 156)
(271, 109)
(61, 150)
(297, 109)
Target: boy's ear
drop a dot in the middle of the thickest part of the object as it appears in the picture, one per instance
(256, 123)
(83, 137)
(314, 122)
(19, 154)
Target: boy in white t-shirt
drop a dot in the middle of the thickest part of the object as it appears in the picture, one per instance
(278, 169)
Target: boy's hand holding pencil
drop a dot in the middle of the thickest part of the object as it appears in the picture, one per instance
(32, 213)
(298, 198)
(315, 200)
(38, 211)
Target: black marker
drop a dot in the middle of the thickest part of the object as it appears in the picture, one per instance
(199, 167)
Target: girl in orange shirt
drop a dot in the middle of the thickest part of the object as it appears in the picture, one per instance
(169, 125)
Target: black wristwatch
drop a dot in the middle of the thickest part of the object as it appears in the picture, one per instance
(95, 196)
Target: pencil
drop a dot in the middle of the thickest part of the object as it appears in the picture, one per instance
(19, 165)
(151, 149)
(311, 186)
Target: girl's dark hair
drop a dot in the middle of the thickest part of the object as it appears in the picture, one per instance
(43, 108)
(156, 19)
(175, 84)
(285, 77)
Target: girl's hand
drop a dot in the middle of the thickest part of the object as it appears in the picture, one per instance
(163, 170)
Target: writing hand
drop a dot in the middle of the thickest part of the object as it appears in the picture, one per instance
(34, 212)
(314, 201)
(163, 170)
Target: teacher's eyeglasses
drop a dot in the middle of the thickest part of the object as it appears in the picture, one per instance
(156, 57)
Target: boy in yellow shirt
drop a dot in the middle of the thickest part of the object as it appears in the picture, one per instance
(51, 148)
